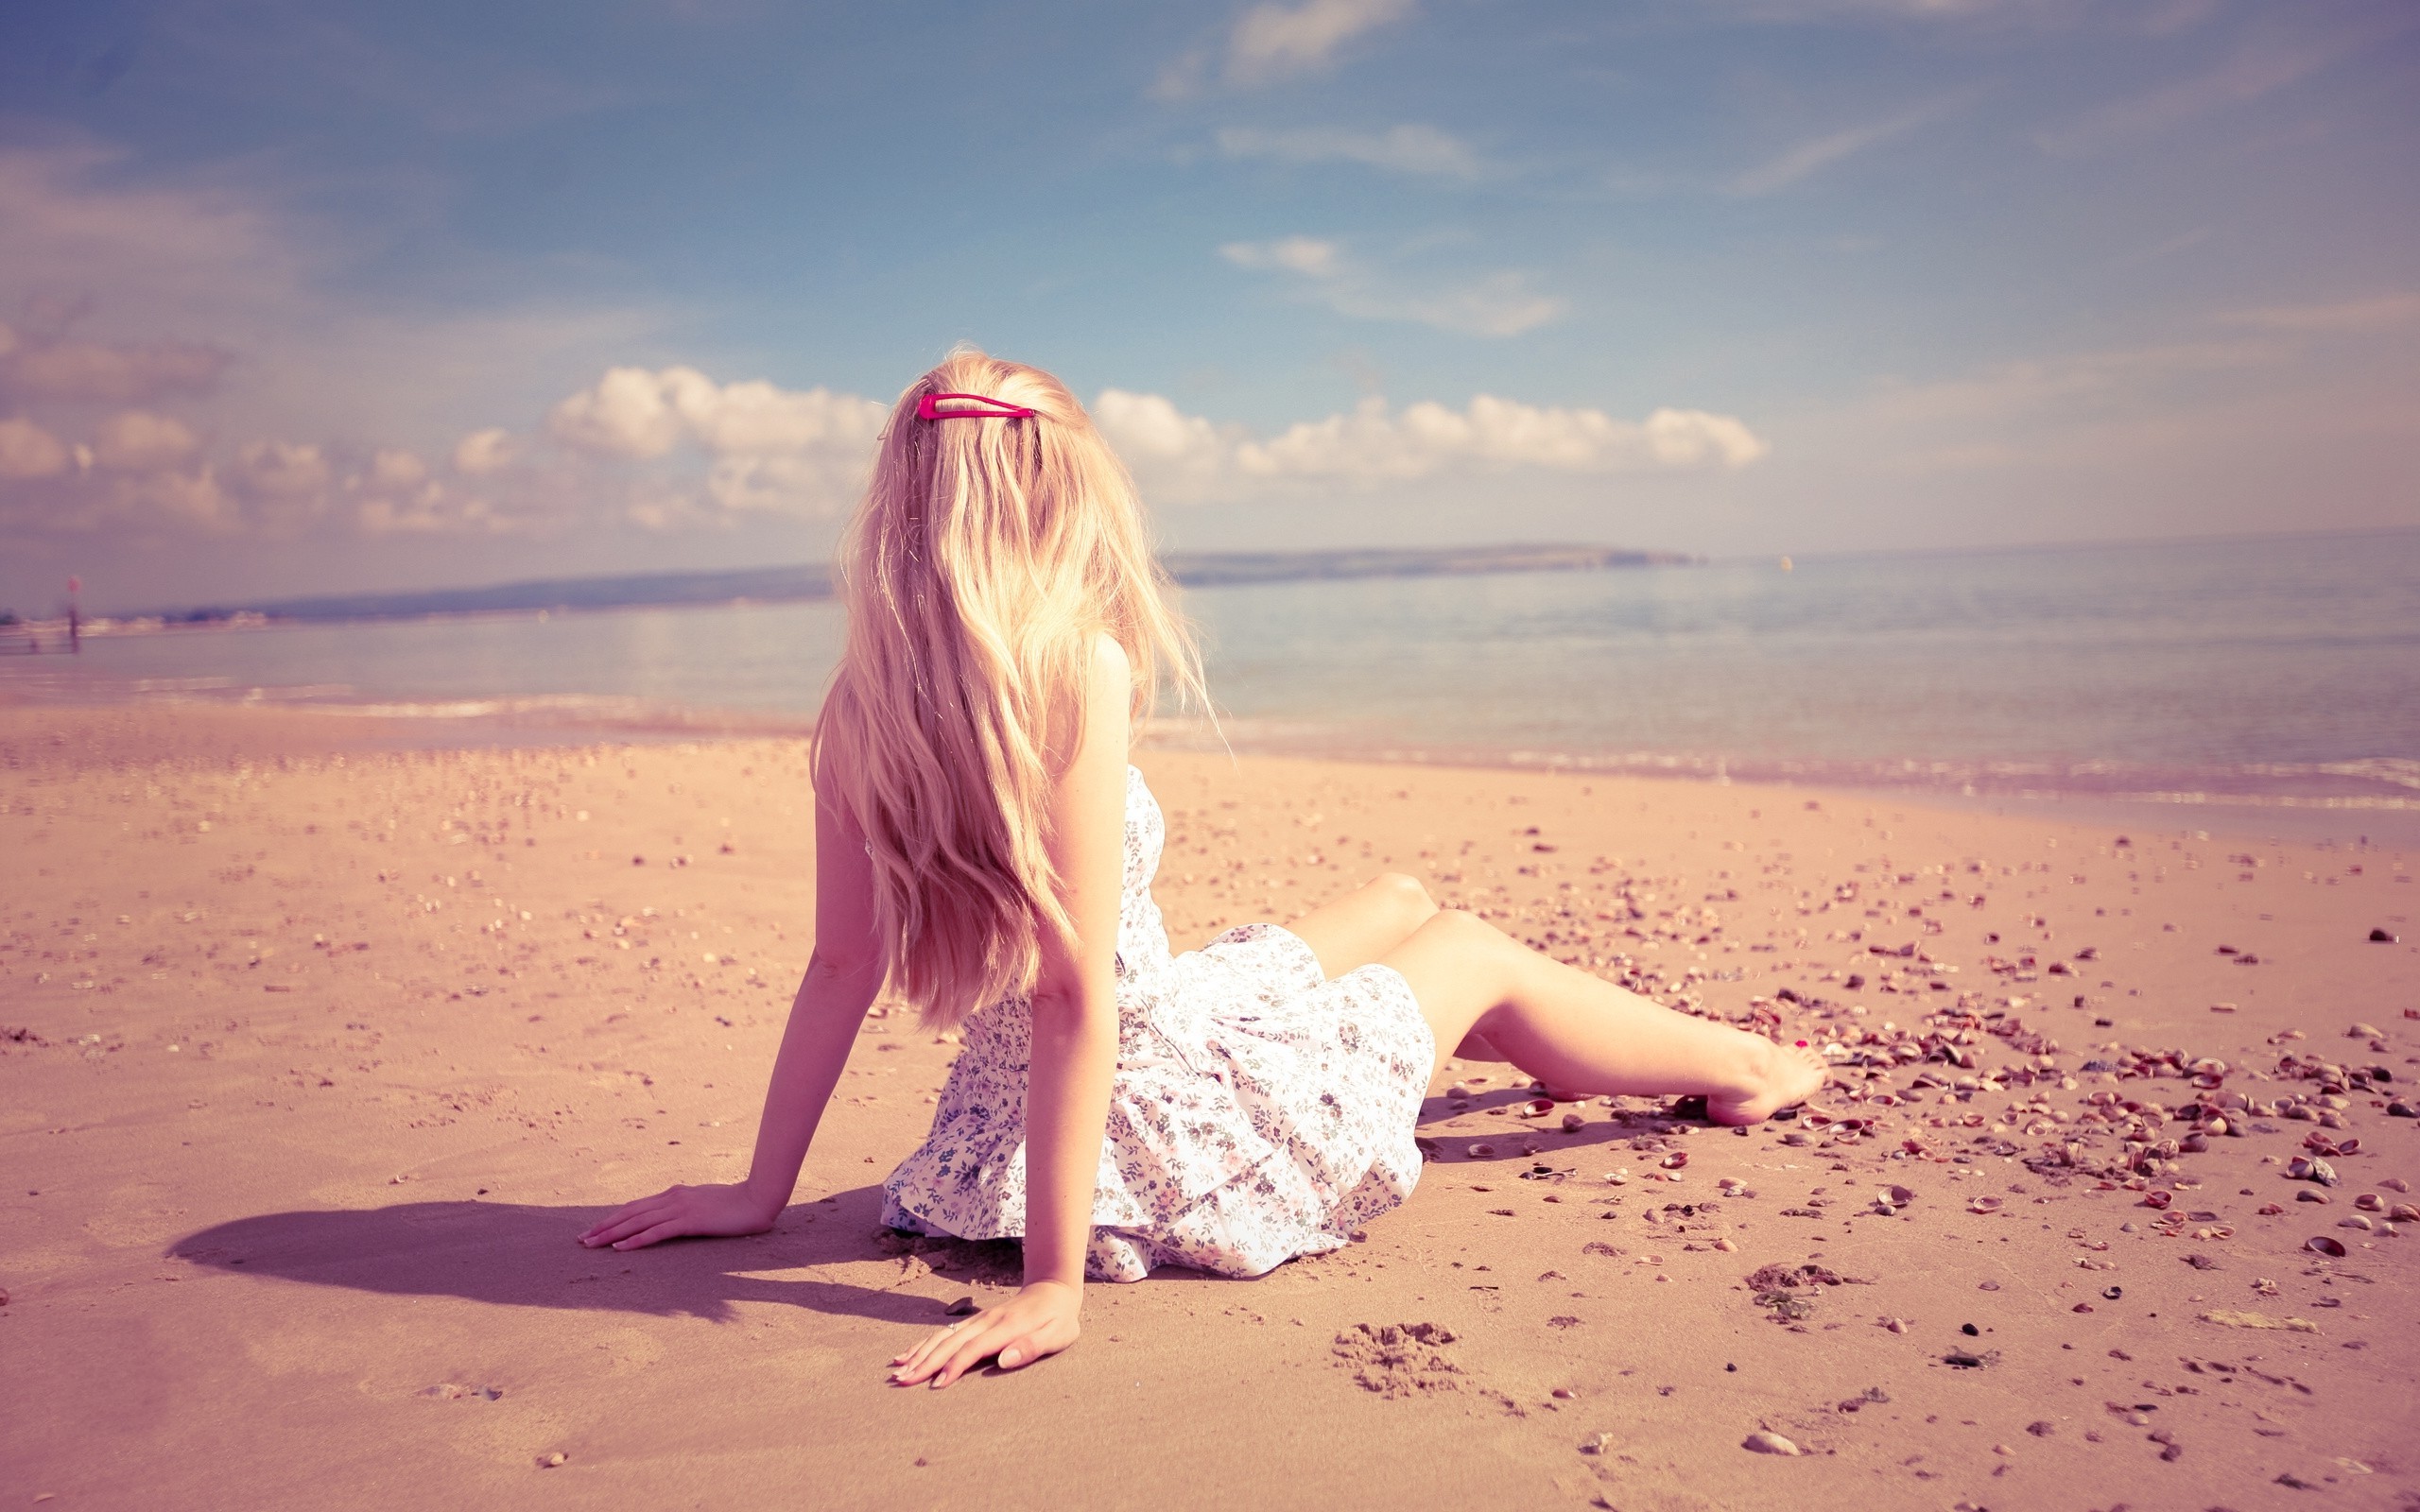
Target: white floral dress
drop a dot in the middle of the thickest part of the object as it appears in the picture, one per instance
(1260, 1112)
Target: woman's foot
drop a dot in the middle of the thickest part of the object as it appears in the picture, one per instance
(1781, 1076)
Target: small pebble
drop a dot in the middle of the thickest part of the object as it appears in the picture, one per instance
(1723, 1244)
(1765, 1441)
(1573, 1122)
(552, 1458)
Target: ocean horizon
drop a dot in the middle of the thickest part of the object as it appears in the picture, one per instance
(2273, 673)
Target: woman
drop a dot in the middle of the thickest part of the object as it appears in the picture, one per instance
(985, 850)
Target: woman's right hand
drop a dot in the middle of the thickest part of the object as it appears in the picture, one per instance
(717, 1210)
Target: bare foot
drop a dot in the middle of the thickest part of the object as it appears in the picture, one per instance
(1789, 1075)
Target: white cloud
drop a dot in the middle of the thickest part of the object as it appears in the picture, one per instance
(801, 451)
(1375, 443)
(1493, 304)
(2385, 312)
(282, 470)
(1810, 156)
(1412, 150)
(27, 451)
(101, 373)
(431, 510)
(1307, 255)
(2261, 68)
(394, 468)
(137, 441)
(1499, 304)
(483, 452)
(1272, 41)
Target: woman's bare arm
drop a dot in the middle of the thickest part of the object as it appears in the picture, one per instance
(842, 977)
(1073, 1058)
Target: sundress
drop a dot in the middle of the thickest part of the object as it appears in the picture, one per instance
(1260, 1112)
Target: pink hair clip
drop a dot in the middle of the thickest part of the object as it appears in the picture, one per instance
(994, 409)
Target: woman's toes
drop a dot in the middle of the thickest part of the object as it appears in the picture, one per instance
(1792, 1074)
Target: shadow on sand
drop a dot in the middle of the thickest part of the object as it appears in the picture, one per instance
(521, 1255)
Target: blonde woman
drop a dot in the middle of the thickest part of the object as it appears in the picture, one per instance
(984, 849)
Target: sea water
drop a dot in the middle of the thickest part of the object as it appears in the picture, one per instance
(2269, 671)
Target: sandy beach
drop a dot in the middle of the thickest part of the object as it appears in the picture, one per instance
(316, 1052)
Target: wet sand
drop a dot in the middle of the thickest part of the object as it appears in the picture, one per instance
(314, 1056)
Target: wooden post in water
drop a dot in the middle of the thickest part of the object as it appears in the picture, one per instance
(75, 617)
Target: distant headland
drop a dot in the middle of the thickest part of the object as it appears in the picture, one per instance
(813, 580)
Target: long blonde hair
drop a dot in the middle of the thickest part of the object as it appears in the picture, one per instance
(986, 558)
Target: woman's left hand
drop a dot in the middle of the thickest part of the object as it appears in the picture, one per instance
(1039, 1320)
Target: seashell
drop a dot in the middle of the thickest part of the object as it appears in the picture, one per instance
(2356, 1221)
(2404, 1212)
(1482, 1150)
(2321, 1244)
(2370, 1202)
(1765, 1441)
(550, 1460)
(2395, 1183)
(2362, 1031)
(1984, 1205)
(1675, 1161)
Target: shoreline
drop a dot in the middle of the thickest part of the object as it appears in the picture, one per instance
(574, 720)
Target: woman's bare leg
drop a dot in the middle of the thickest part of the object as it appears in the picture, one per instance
(1365, 923)
(1573, 1030)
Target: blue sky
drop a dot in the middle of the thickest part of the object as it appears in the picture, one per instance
(305, 297)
